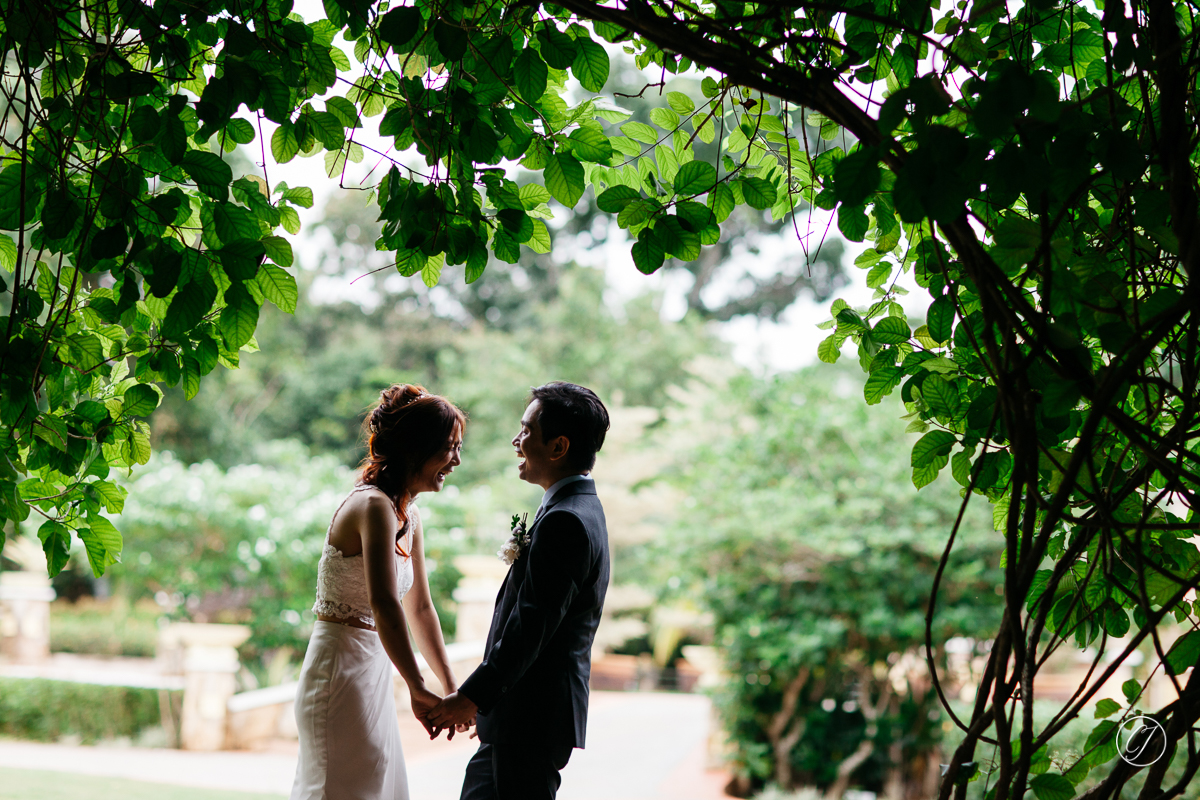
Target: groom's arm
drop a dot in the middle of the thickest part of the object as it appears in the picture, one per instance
(558, 564)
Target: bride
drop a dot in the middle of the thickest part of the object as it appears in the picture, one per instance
(372, 560)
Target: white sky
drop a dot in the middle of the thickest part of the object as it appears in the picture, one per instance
(761, 346)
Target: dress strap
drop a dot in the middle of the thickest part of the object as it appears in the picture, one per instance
(357, 488)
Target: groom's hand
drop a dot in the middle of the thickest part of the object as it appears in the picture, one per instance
(455, 710)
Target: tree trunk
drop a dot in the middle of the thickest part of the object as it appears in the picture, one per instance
(782, 743)
(893, 787)
(847, 767)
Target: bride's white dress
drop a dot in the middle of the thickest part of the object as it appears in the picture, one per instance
(345, 709)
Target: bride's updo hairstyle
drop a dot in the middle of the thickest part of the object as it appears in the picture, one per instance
(404, 430)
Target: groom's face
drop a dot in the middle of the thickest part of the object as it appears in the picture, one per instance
(536, 456)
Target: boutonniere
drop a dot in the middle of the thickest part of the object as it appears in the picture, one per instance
(517, 542)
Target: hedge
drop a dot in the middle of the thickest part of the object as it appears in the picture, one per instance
(45, 710)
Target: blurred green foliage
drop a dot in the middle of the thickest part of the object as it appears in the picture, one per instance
(805, 539)
(226, 522)
(46, 710)
(108, 629)
(327, 366)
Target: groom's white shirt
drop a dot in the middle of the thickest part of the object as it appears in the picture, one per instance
(550, 492)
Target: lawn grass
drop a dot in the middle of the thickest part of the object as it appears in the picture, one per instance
(28, 784)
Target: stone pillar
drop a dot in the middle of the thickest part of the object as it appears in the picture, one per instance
(476, 595)
(25, 616)
(206, 655)
(707, 659)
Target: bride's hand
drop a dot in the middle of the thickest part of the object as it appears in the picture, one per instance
(424, 701)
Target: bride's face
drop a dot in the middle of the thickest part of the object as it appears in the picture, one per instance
(433, 475)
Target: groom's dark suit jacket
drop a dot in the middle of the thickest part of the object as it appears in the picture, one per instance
(533, 683)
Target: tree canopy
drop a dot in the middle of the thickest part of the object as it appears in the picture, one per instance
(800, 519)
(1031, 164)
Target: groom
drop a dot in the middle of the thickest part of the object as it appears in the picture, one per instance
(530, 694)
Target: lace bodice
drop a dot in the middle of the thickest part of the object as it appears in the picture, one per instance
(342, 580)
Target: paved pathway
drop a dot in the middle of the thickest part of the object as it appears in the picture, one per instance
(641, 746)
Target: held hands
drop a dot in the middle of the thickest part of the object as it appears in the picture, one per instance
(455, 712)
(424, 701)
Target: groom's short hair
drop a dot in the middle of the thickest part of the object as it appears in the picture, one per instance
(575, 412)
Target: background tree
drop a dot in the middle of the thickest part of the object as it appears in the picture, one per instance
(805, 541)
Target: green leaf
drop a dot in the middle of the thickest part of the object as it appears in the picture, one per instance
(680, 103)
(140, 400)
(1184, 654)
(614, 199)
(648, 253)
(431, 273)
(758, 192)
(1052, 786)
(344, 110)
(139, 446)
(103, 543)
(240, 130)
(56, 543)
(1107, 707)
(640, 132)
(239, 318)
(694, 178)
(298, 195)
(590, 144)
(557, 48)
(327, 128)
(940, 319)
(721, 201)
(400, 26)
(278, 286)
(451, 40)
(8, 252)
(853, 222)
(927, 474)
(676, 240)
(112, 495)
(540, 241)
(830, 348)
(857, 176)
(892, 330)
(881, 382)
(564, 177)
(932, 445)
(532, 196)
(591, 65)
(278, 250)
(232, 222)
(943, 397)
(530, 74)
(290, 219)
(284, 145)
(664, 118)
(211, 174)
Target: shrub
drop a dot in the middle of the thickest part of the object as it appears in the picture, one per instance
(45, 710)
(104, 629)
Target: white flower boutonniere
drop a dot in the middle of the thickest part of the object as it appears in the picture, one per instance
(517, 542)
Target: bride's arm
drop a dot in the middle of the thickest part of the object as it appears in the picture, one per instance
(379, 561)
(423, 616)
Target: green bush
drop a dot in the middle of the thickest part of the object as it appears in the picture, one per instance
(803, 536)
(48, 710)
(103, 629)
